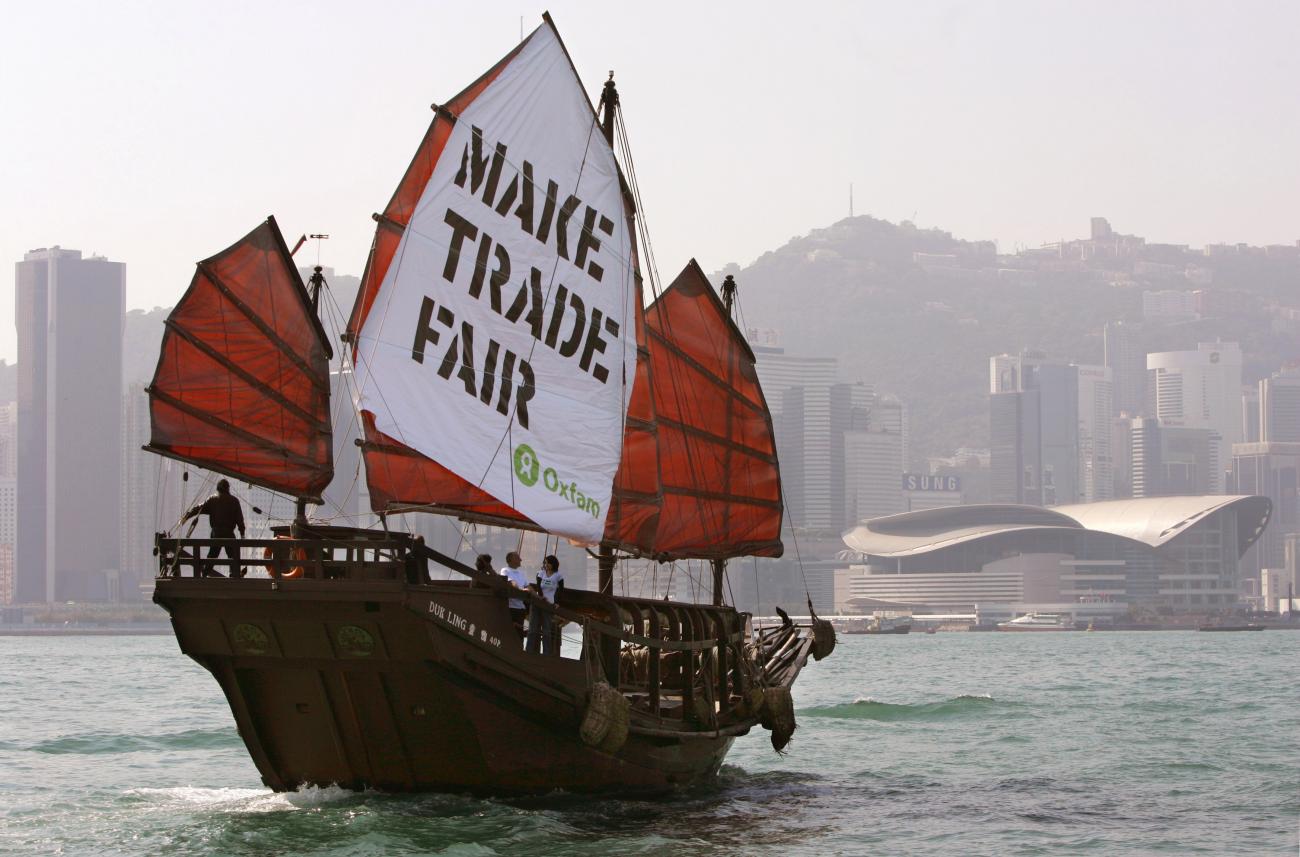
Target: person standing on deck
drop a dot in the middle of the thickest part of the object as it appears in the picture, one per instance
(513, 573)
(225, 515)
(543, 629)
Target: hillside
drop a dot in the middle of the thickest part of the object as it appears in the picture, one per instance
(919, 312)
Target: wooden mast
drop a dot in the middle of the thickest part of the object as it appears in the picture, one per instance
(720, 565)
(608, 104)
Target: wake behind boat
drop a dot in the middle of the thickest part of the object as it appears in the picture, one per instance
(508, 375)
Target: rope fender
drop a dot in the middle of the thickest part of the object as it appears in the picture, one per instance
(605, 721)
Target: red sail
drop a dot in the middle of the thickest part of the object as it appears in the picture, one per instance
(715, 453)
(242, 384)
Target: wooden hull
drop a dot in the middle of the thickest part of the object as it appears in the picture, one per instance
(405, 687)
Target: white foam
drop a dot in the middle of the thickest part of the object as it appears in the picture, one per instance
(195, 796)
(313, 796)
(244, 800)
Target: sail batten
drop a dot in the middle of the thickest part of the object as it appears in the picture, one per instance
(242, 382)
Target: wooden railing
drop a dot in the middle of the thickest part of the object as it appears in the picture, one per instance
(673, 661)
(313, 559)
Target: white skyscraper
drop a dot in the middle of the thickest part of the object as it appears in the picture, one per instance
(1199, 389)
(1279, 407)
(1096, 408)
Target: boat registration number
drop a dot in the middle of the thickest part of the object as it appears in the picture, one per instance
(460, 623)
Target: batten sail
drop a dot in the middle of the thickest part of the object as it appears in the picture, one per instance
(714, 452)
(242, 382)
(495, 330)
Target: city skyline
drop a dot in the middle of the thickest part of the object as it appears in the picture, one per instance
(843, 441)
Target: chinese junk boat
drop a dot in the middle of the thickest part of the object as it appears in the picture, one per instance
(508, 374)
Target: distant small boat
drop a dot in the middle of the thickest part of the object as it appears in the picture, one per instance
(882, 626)
(1038, 622)
(896, 629)
(1250, 626)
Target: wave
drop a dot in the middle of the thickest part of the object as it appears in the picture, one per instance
(244, 800)
(865, 708)
(95, 743)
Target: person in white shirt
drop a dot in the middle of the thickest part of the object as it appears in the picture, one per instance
(519, 579)
(543, 630)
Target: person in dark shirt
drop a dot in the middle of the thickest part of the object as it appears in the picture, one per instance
(225, 515)
(544, 627)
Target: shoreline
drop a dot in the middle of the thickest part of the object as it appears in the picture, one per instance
(75, 631)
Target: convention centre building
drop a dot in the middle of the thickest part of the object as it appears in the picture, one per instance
(1087, 559)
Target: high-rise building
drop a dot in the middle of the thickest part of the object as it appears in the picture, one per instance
(1121, 451)
(1273, 470)
(1279, 407)
(1033, 430)
(1126, 357)
(69, 320)
(853, 407)
(8, 534)
(798, 394)
(831, 472)
(1015, 460)
(1174, 460)
(1199, 389)
(873, 470)
(1250, 414)
(889, 413)
(778, 372)
(9, 440)
(803, 446)
(1096, 409)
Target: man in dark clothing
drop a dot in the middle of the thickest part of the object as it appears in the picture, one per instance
(225, 515)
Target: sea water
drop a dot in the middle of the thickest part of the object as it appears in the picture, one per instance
(1106, 743)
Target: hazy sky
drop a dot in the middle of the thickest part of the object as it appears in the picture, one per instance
(158, 133)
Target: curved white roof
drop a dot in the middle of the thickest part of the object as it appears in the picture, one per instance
(1153, 521)
(1157, 520)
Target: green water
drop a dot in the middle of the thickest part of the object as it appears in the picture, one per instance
(1106, 743)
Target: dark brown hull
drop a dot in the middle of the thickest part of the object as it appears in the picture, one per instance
(410, 688)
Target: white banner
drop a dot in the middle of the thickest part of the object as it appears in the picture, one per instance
(501, 343)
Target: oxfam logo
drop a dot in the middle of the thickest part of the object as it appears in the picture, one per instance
(529, 469)
(526, 464)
